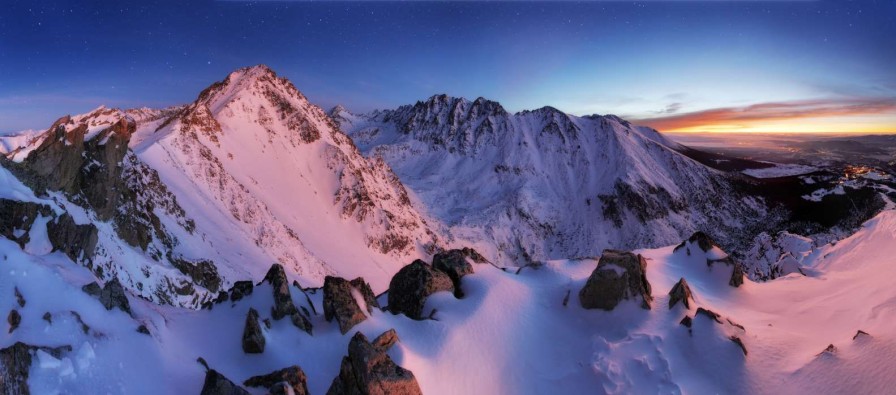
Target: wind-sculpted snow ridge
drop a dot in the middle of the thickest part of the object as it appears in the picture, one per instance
(541, 184)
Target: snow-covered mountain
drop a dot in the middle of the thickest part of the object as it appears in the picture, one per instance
(116, 226)
(541, 184)
(183, 200)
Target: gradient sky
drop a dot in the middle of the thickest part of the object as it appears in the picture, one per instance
(816, 66)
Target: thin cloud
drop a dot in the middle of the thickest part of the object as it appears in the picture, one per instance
(774, 111)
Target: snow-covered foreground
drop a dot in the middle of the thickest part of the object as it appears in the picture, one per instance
(511, 333)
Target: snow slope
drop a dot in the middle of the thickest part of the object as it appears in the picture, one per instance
(269, 178)
(541, 184)
(511, 333)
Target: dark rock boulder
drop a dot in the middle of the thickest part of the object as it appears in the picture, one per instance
(240, 290)
(78, 242)
(283, 304)
(340, 302)
(253, 338)
(386, 340)
(14, 319)
(860, 333)
(368, 369)
(687, 321)
(15, 364)
(111, 295)
(293, 377)
(411, 286)
(681, 292)
(454, 263)
(217, 384)
(620, 275)
(16, 219)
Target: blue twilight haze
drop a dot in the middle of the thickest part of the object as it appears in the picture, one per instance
(636, 59)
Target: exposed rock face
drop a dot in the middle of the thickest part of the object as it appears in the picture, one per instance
(681, 292)
(278, 382)
(737, 274)
(76, 241)
(411, 286)
(240, 290)
(203, 272)
(283, 304)
(740, 343)
(620, 275)
(454, 263)
(368, 370)
(19, 298)
(111, 295)
(16, 219)
(340, 301)
(217, 384)
(15, 363)
(253, 338)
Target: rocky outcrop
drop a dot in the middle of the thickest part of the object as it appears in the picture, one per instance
(681, 292)
(240, 290)
(702, 240)
(15, 363)
(78, 242)
(111, 295)
(411, 286)
(368, 370)
(203, 272)
(706, 244)
(14, 319)
(455, 264)
(283, 304)
(217, 384)
(281, 382)
(620, 275)
(253, 338)
(341, 301)
(16, 219)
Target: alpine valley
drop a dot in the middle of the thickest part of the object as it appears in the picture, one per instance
(251, 242)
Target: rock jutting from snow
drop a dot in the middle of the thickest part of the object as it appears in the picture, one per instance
(76, 241)
(281, 381)
(709, 314)
(240, 290)
(620, 275)
(111, 295)
(342, 298)
(707, 244)
(16, 219)
(454, 263)
(283, 304)
(368, 370)
(216, 384)
(14, 319)
(15, 364)
(681, 292)
(253, 338)
(410, 287)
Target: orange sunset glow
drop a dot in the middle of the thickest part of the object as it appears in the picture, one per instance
(817, 116)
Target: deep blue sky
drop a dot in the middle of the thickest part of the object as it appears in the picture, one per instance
(638, 59)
